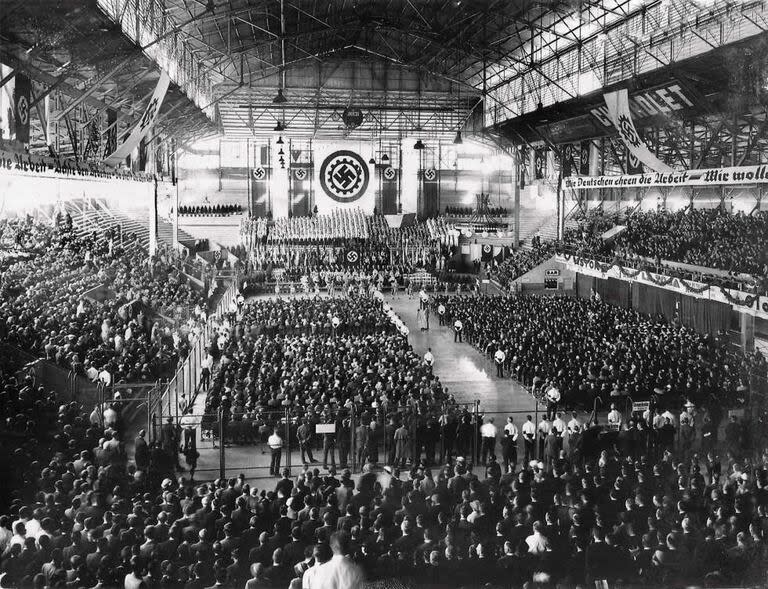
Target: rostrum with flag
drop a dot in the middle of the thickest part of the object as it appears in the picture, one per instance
(486, 252)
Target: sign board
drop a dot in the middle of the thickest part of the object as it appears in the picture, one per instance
(640, 406)
(325, 428)
(485, 281)
(552, 272)
(731, 176)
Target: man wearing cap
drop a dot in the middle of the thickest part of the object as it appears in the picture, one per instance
(275, 443)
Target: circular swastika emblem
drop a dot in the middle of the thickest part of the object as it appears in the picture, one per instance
(487, 248)
(259, 173)
(344, 176)
(352, 257)
(389, 173)
(430, 174)
(22, 110)
(300, 173)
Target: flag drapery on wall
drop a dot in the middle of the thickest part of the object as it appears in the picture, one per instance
(141, 129)
(540, 163)
(619, 113)
(21, 108)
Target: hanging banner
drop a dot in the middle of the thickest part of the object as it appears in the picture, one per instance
(708, 177)
(21, 107)
(584, 158)
(540, 163)
(143, 126)
(618, 111)
(633, 164)
(566, 163)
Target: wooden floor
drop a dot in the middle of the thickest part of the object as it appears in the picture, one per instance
(465, 372)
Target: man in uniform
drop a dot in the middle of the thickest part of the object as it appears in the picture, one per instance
(457, 327)
(499, 358)
(509, 444)
(304, 434)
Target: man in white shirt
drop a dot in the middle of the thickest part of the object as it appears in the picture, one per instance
(429, 359)
(553, 398)
(510, 445)
(458, 326)
(499, 358)
(275, 443)
(340, 572)
(574, 422)
(441, 313)
(537, 542)
(488, 433)
(559, 424)
(614, 416)
(322, 554)
(529, 437)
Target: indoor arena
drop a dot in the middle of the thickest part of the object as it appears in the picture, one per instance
(383, 294)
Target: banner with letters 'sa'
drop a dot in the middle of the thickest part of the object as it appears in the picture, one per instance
(618, 111)
(141, 129)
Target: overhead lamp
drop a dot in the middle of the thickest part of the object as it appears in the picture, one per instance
(281, 152)
(280, 140)
(280, 98)
(372, 161)
(385, 158)
(279, 127)
(419, 145)
(458, 140)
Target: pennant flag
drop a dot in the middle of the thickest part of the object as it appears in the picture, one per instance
(633, 164)
(295, 154)
(619, 113)
(21, 108)
(147, 120)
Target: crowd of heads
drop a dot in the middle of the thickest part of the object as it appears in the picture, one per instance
(45, 309)
(592, 349)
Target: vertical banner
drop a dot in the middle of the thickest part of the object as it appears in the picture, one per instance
(566, 160)
(540, 163)
(143, 154)
(619, 113)
(585, 157)
(523, 165)
(260, 174)
(21, 93)
(110, 143)
(142, 127)
(299, 189)
(429, 194)
(389, 177)
(633, 164)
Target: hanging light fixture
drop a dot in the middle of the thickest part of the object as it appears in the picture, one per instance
(280, 97)
(419, 145)
(372, 161)
(281, 152)
(385, 158)
(458, 140)
(279, 140)
(279, 127)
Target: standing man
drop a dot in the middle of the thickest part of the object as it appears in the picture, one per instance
(401, 445)
(457, 327)
(553, 398)
(275, 443)
(499, 358)
(141, 456)
(429, 359)
(509, 444)
(488, 433)
(545, 426)
(329, 447)
(529, 437)
(304, 434)
(441, 313)
(361, 443)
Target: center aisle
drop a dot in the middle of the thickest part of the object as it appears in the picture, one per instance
(463, 370)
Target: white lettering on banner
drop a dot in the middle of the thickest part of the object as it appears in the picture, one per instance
(48, 167)
(147, 120)
(618, 110)
(658, 101)
(705, 177)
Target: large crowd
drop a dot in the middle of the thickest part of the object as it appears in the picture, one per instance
(588, 349)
